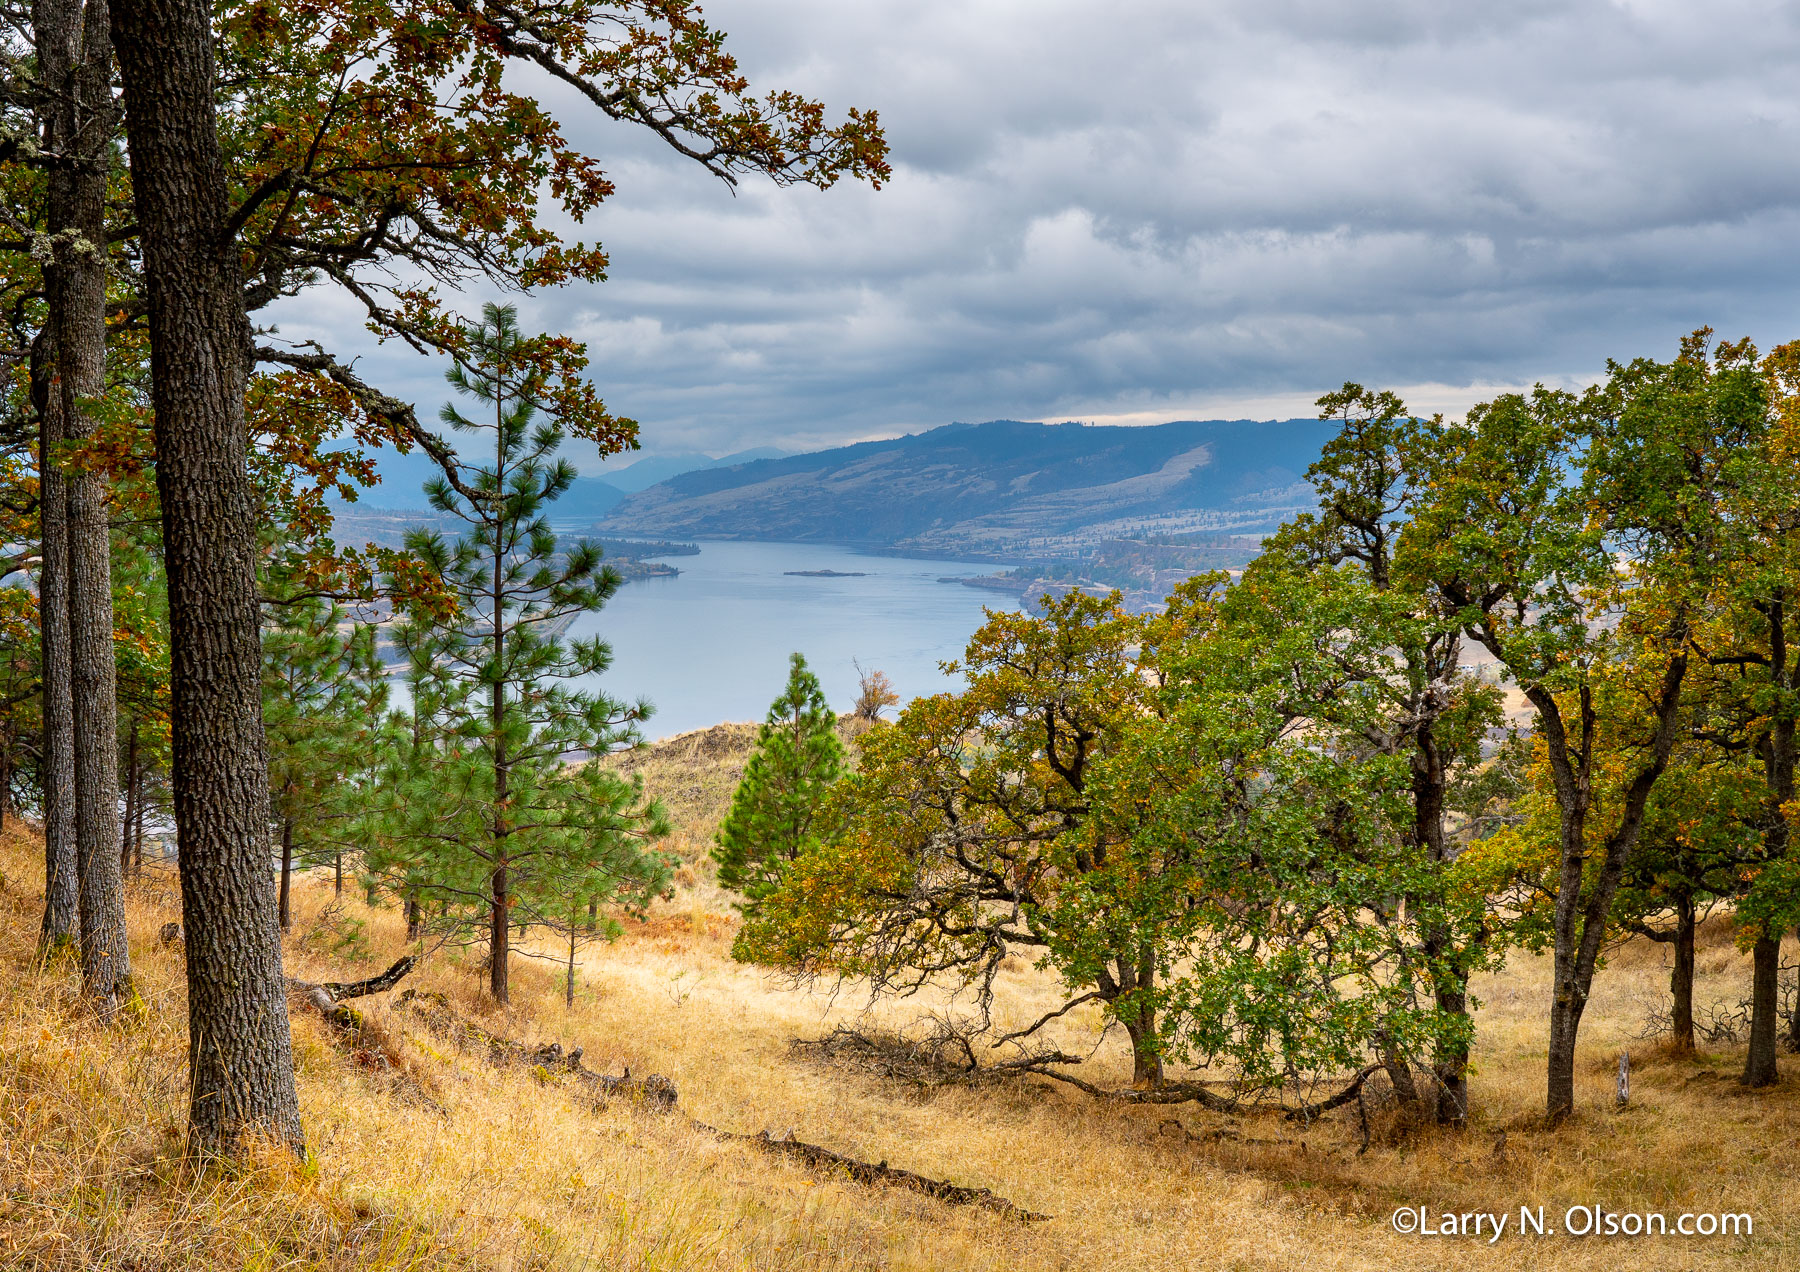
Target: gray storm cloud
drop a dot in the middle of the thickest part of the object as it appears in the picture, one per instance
(1152, 211)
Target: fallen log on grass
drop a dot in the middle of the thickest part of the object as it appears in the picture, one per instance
(872, 1173)
(328, 998)
(438, 1016)
(658, 1094)
(368, 1045)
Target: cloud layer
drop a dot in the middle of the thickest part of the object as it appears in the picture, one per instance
(1165, 210)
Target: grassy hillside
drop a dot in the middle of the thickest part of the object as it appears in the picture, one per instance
(447, 1163)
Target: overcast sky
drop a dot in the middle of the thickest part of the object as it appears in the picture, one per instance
(1139, 211)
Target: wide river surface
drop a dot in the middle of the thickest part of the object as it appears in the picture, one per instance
(713, 644)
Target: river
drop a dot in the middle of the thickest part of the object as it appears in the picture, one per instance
(713, 643)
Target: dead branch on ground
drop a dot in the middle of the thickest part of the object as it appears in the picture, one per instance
(657, 1094)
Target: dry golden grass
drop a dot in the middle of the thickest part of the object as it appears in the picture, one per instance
(465, 1166)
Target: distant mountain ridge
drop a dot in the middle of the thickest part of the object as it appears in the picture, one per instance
(590, 497)
(1005, 486)
(646, 472)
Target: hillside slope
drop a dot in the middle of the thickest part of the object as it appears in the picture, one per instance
(999, 487)
(445, 1162)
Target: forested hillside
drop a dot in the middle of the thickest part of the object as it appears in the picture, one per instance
(1002, 487)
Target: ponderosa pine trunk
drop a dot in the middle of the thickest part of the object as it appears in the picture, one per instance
(240, 1053)
(499, 933)
(129, 823)
(499, 945)
(283, 917)
(569, 988)
(60, 929)
(75, 51)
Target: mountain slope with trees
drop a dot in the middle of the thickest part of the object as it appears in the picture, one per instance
(1000, 487)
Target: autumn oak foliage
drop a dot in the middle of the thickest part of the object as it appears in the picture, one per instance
(1258, 829)
(384, 150)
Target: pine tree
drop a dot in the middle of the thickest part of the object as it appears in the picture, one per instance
(495, 814)
(778, 810)
(312, 715)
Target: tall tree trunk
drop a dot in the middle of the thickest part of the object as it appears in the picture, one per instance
(337, 878)
(1448, 964)
(75, 49)
(1681, 979)
(1569, 988)
(137, 837)
(1759, 1065)
(131, 799)
(284, 918)
(62, 896)
(6, 770)
(499, 932)
(499, 945)
(414, 919)
(1580, 919)
(1778, 755)
(240, 1053)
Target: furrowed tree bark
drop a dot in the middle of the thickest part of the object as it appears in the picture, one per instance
(240, 1052)
(75, 47)
(61, 923)
(283, 917)
(137, 837)
(131, 798)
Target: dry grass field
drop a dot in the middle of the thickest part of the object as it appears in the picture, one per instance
(448, 1163)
